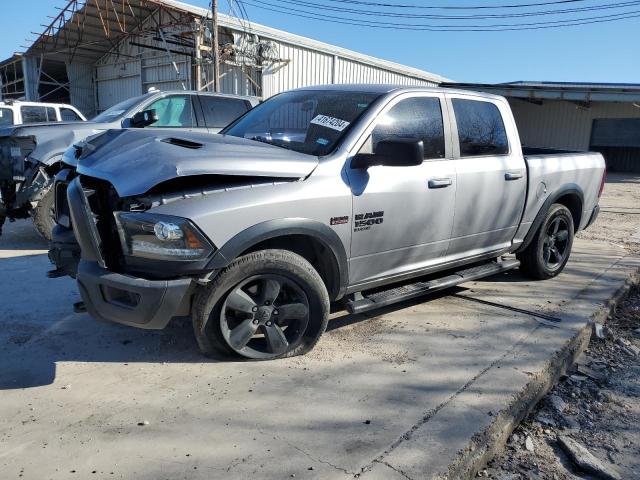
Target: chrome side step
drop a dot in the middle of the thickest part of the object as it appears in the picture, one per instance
(365, 302)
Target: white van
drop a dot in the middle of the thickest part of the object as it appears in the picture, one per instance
(18, 113)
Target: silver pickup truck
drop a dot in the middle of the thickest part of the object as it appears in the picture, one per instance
(364, 194)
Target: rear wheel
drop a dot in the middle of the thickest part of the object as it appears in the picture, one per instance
(42, 214)
(265, 305)
(549, 250)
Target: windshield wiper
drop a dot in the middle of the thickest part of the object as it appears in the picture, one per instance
(280, 143)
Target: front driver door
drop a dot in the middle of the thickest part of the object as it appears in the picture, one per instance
(402, 216)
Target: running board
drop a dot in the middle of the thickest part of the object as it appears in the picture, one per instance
(413, 290)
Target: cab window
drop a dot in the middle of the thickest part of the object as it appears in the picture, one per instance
(6, 117)
(173, 111)
(33, 114)
(418, 118)
(221, 111)
(68, 115)
(480, 128)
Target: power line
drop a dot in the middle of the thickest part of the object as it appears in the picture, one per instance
(457, 7)
(618, 5)
(439, 28)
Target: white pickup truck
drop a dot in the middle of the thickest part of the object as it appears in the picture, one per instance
(369, 194)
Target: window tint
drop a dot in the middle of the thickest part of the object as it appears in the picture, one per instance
(173, 111)
(6, 117)
(414, 118)
(480, 128)
(33, 114)
(220, 112)
(69, 115)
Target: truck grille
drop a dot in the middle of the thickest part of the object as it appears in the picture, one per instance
(102, 201)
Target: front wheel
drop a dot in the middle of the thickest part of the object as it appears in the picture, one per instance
(43, 215)
(265, 305)
(549, 250)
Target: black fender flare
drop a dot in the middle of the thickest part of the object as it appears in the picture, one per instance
(567, 189)
(282, 228)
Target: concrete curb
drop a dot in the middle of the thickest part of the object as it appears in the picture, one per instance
(485, 445)
(488, 414)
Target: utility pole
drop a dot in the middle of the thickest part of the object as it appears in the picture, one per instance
(216, 49)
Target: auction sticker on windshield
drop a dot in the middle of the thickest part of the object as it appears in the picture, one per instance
(330, 122)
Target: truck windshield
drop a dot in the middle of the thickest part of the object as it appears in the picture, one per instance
(118, 111)
(6, 117)
(306, 121)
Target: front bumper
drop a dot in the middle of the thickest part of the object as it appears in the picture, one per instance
(132, 301)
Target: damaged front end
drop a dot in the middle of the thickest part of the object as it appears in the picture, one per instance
(21, 179)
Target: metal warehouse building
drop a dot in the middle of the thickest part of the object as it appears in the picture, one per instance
(577, 116)
(99, 52)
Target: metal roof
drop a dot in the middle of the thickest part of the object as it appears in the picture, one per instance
(570, 91)
(86, 31)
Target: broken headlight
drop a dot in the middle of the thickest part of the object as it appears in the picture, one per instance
(161, 237)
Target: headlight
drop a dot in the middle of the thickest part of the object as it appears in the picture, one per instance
(163, 237)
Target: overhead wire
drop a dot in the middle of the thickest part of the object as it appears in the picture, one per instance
(303, 13)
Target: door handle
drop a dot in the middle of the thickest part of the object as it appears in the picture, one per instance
(512, 176)
(439, 182)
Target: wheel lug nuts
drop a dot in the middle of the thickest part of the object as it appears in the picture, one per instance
(254, 309)
(267, 302)
(255, 322)
(275, 312)
(269, 324)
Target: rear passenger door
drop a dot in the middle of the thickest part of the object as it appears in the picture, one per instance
(221, 111)
(491, 176)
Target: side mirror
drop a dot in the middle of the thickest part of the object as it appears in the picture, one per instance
(144, 119)
(392, 153)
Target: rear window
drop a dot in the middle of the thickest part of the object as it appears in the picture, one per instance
(220, 112)
(6, 117)
(481, 130)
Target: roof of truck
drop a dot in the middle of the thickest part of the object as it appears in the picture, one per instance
(388, 88)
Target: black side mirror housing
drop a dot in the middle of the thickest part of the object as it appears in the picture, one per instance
(144, 119)
(392, 153)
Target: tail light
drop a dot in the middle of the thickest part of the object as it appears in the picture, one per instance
(604, 178)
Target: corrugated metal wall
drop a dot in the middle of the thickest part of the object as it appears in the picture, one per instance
(561, 124)
(305, 67)
(81, 88)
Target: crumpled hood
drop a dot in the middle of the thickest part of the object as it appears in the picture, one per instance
(134, 161)
(52, 139)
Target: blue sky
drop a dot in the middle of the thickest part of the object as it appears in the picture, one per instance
(605, 52)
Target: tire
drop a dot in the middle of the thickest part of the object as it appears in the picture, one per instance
(265, 305)
(43, 213)
(549, 250)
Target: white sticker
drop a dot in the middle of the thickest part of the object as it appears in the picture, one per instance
(330, 122)
(15, 152)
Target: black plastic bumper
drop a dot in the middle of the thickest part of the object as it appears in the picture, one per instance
(132, 301)
(594, 216)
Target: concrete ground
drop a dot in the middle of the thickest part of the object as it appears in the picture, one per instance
(412, 391)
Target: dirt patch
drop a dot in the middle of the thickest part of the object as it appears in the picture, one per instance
(596, 406)
(619, 219)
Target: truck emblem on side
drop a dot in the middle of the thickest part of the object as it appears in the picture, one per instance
(339, 220)
(364, 221)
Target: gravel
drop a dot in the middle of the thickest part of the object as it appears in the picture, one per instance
(596, 432)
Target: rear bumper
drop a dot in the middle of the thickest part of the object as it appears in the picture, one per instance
(132, 301)
(594, 216)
